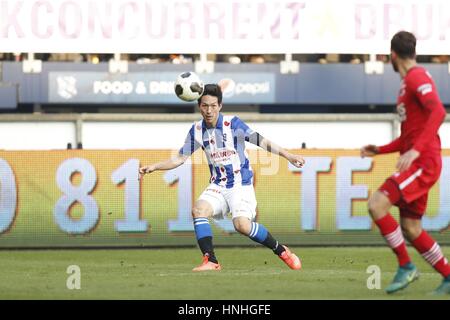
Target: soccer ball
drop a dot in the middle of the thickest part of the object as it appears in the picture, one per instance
(189, 86)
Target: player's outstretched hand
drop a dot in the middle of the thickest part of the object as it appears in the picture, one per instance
(369, 151)
(145, 170)
(297, 160)
(406, 159)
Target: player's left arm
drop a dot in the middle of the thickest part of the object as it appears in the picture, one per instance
(255, 138)
(425, 92)
(243, 131)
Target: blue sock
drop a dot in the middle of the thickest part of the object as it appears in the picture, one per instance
(204, 238)
(202, 228)
(258, 233)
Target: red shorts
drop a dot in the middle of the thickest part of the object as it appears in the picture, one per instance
(409, 189)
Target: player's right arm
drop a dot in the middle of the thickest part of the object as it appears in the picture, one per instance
(189, 147)
(370, 150)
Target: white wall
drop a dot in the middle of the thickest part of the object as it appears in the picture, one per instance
(141, 135)
(134, 135)
(444, 133)
(325, 134)
(160, 135)
(36, 135)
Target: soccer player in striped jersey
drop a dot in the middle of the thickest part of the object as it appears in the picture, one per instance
(223, 138)
(421, 114)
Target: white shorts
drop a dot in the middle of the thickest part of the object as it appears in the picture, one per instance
(239, 200)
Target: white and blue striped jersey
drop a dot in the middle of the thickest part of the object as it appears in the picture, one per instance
(224, 147)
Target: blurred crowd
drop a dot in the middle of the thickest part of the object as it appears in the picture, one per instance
(227, 58)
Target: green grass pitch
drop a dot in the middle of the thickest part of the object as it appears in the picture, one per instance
(248, 273)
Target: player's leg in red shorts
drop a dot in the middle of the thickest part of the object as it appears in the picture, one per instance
(389, 227)
(413, 187)
(379, 205)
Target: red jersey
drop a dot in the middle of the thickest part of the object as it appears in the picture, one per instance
(421, 114)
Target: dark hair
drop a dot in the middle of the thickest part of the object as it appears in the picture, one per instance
(403, 43)
(212, 89)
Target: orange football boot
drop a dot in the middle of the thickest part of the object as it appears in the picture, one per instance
(290, 259)
(207, 265)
